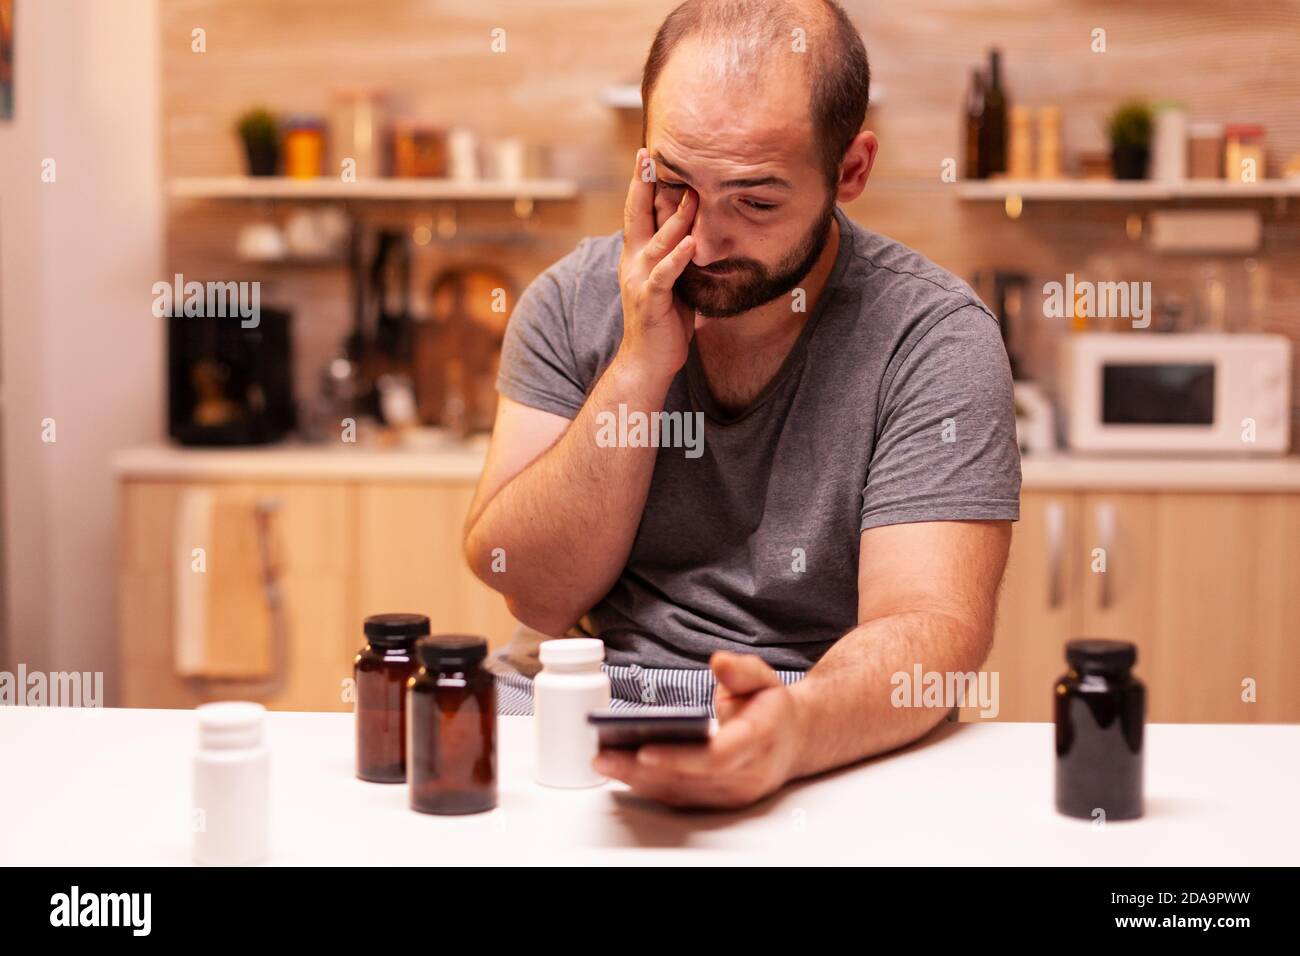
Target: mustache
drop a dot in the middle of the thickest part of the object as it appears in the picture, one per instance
(723, 270)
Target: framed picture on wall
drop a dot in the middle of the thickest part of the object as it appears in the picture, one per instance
(6, 59)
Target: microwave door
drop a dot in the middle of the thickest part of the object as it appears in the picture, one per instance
(1158, 393)
(1158, 405)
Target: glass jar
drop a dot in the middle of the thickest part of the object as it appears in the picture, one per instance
(1100, 710)
(354, 133)
(381, 671)
(304, 147)
(1169, 146)
(1205, 150)
(1243, 153)
(452, 727)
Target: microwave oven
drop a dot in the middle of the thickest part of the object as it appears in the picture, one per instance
(1215, 393)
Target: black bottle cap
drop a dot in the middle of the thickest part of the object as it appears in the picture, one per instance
(464, 650)
(1097, 655)
(395, 630)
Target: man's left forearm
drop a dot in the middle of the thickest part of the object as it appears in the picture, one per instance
(844, 707)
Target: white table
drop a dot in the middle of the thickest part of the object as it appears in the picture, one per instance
(112, 787)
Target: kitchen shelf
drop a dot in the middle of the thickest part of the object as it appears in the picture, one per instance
(389, 189)
(1109, 190)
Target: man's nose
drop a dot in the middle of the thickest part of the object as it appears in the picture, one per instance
(708, 245)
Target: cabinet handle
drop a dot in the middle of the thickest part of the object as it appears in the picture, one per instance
(270, 559)
(1055, 520)
(1106, 536)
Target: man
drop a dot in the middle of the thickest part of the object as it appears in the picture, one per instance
(847, 515)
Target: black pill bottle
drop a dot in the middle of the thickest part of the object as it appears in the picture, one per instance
(1100, 713)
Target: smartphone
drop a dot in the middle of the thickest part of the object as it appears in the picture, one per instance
(629, 729)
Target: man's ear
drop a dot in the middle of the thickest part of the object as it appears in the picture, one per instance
(856, 166)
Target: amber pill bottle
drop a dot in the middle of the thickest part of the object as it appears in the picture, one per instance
(1100, 716)
(381, 671)
(452, 727)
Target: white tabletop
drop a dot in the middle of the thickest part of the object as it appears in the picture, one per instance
(105, 787)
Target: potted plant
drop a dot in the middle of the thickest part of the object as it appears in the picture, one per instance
(260, 135)
(1130, 140)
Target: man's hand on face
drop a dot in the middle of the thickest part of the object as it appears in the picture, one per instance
(657, 327)
(751, 755)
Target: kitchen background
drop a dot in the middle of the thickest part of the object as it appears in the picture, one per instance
(304, 538)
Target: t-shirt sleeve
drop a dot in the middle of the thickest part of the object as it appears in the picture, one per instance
(946, 447)
(538, 365)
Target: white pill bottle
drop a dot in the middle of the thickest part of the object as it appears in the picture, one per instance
(570, 685)
(232, 786)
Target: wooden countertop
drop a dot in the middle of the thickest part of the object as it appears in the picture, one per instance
(446, 460)
(449, 460)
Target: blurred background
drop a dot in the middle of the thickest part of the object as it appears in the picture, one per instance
(198, 509)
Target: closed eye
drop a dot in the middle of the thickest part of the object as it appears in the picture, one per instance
(752, 203)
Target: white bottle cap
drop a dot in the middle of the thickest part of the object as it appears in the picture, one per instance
(571, 651)
(230, 724)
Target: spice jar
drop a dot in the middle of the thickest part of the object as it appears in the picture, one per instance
(1049, 142)
(304, 147)
(1243, 153)
(381, 671)
(1100, 714)
(1205, 150)
(1020, 147)
(452, 727)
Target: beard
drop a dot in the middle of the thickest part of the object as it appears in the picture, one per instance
(746, 283)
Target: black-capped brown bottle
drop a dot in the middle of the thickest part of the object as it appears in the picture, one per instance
(1100, 716)
(382, 669)
(993, 123)
(974, 121)
(452, 727)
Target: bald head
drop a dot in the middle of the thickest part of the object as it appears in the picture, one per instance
(803, 58)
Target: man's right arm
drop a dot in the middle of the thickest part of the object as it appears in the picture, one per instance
(555, 514)
(562, 510)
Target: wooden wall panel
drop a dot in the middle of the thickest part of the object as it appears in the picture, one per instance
(1236, 62)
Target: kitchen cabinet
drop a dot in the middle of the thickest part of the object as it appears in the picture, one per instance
(409, 557)
(1039, 599)
(1206, 584)
(197, 622)
(1202, 573)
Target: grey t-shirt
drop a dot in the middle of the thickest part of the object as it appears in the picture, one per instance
(894, 405)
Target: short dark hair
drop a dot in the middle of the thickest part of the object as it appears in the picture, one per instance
(837, 65)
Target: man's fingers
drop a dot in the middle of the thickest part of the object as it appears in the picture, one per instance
(726, 750)
(671, 232)
(639, 210)
(742, 673)
(670, 266)
(623, 766)
(672, 787)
